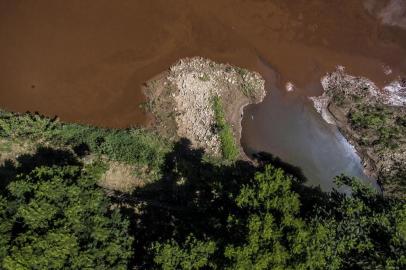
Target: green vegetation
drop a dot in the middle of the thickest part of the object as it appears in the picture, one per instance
(376, 128)
(5, 146)
(378, 124)
(268, 225)
(381, 129)
(228, 146)
(193, 254)
(196, 214)
(133, 146)
(57, 218)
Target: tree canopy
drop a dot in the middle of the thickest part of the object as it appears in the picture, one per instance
(57, 218)
(192, 213)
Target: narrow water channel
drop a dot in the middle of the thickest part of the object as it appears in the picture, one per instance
(287, 126)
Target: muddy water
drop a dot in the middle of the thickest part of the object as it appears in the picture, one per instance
(85, 60)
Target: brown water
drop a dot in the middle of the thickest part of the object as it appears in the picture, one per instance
(85, 60)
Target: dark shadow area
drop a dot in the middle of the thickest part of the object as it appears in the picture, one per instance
(44, 156)
(193, 197)
(267, 158)
(196, 197)
(81, 150)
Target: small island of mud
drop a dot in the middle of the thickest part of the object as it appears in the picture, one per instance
(203, 101)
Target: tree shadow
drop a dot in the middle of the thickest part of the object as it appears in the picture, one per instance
(196, 197)
(267, 158)
(43, 156)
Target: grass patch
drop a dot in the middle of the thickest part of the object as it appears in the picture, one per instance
(5, 146)
(228, 146)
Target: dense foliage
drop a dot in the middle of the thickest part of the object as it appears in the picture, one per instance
(197, 214)
(379, 124)
(57, 218)
(271, 229)
(132, 146)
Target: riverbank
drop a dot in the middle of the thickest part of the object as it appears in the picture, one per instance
(203, 101)
(373, 121)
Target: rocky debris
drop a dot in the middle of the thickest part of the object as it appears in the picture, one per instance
(191, 85)
(395, 93)
(289, 86)
(383, 114)
(321, 105)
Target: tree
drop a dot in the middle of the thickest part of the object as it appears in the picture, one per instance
(269, 228)
(370, 230)
(276, 237)
(192, 255)
(58, 218)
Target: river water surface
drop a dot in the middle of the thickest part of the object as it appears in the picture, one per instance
(85, 61)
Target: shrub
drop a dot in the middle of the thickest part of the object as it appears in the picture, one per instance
(133, 146)
(29, 126)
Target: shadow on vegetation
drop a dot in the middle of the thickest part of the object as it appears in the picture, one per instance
(44, 156)
(195, 197)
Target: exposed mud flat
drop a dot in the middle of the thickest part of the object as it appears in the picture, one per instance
(181, 99)
(85, 61)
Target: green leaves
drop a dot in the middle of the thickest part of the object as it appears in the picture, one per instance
(276, 237)
(32, 126)
(62, 220)
(229, 148)
(191, 255)
(365, 226)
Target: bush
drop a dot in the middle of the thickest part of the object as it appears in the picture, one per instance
(133, 146)
(28, 126)
(376, 123)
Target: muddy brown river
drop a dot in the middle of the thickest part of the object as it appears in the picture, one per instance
(85, 61)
